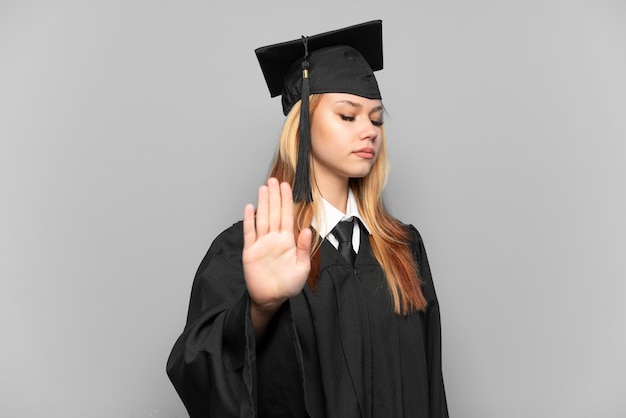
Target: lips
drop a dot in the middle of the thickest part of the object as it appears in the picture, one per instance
(367, 153)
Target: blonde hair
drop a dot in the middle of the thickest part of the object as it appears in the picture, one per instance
(389, 237)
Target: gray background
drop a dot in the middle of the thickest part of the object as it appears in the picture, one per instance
(132, 132)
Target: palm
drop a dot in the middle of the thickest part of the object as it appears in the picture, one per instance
(275, 265)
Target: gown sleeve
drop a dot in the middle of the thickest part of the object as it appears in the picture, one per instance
(432, 332)
(212, 364)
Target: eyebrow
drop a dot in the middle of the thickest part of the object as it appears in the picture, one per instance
(378, 108)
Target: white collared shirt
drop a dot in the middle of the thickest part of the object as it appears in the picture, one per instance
(331, 216)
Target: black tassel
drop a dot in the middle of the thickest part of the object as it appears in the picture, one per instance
(302, 182)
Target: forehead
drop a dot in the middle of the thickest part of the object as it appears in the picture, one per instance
(351, 100)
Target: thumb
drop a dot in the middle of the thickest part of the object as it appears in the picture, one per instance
(303, 250)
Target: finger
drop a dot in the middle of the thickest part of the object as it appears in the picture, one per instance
(262, 211)
(286, 222)
(303, 251)
(249, 230)
(274, 209)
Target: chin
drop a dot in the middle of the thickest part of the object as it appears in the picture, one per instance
(360, 175)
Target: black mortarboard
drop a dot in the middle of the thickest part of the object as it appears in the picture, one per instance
(340, 61)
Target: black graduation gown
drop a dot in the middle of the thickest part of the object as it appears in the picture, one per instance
(336, 351)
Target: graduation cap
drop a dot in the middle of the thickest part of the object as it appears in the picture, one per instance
(340, 61)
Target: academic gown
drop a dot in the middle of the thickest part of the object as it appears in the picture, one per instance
(335, 351)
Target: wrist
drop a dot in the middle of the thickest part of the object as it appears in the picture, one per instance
(261, 315)
(266, 308)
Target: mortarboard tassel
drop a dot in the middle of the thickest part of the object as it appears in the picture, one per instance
(302, 182)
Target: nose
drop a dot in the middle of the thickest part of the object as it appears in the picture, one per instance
(369, 131)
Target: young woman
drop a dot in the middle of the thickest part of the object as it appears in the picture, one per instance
(319, 303)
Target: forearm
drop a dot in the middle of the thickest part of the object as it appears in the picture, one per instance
(210, 365)
(261, 316)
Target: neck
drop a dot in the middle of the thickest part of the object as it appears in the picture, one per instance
(335, 193)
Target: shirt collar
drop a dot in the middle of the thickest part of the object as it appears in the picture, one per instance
(331, 216)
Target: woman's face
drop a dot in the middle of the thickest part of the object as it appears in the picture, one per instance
(346, 135)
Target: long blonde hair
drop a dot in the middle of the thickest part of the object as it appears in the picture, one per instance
(389, 238)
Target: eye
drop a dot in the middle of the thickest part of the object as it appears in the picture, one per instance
(378, 123)
(347, 118)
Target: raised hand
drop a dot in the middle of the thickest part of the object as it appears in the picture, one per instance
(275, 265)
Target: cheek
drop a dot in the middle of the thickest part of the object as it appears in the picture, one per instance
(378, 144)
(318, 130)
(325, 133)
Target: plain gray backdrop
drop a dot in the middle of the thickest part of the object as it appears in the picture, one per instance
(133, 132)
